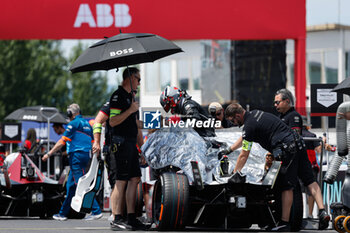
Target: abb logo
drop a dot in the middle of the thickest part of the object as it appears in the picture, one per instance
(104, 16)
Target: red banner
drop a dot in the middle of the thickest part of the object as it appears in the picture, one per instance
(178, 19)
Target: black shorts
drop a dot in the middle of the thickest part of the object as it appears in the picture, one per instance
(305, 171)
(304, 188)
(127, 161)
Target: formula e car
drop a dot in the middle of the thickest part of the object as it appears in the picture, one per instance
(192, 189)
(25, 190)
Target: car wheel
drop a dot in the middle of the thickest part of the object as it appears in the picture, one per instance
(170, 201)
(139, 200)
(346, 224)
(338, 223)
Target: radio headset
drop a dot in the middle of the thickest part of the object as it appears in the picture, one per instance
(70, 113)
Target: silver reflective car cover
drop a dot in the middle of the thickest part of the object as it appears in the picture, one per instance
(177, 147)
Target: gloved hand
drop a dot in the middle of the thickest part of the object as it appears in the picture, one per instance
(237, 178)
(224, 151)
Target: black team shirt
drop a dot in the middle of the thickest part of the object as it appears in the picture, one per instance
(120, 101)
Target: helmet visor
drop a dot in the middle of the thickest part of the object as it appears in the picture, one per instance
(166, 107)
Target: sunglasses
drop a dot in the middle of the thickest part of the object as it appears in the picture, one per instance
(277, 102)
(138, 79)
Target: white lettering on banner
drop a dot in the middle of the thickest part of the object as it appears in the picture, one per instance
(122, 17)
(104, 16)
(84, 16)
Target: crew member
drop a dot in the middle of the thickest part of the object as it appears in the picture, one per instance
(217, 112)
(268, 161)
(125, 134)
(284, 103)
(30, 143)
(271, 133)
(59, 130)
(78, 137)
(312, 147)
(179, 102)
(101, 119)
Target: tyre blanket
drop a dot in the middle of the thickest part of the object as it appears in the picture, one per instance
(178, 147)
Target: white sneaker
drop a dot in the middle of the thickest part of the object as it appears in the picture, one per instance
(111, 218)
(93, 217)
(59, 217)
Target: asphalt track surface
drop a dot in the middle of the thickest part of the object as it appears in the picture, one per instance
(34, 225)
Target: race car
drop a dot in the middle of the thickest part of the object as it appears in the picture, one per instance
(25, 190)
(192, 189)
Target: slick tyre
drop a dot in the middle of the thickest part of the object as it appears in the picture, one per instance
(139, 200)
(346, 224)
(338, 223)
(170, 201)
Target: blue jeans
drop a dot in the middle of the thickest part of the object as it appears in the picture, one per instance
(77, 162)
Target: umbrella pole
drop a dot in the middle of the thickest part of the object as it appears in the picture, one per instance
(48, 146)
(127, 67)
(48, 133)
(132, 89)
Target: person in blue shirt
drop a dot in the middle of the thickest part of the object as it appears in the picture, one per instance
(78, 138)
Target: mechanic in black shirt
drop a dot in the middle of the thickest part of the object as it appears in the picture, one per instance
(102, 119)
(179, 102)
(274, 136)
(217, 112)
(125, 130)
(284, 104)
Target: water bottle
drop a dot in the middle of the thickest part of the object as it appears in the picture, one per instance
(224, 163)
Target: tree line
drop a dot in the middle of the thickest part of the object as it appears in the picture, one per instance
(35, 72)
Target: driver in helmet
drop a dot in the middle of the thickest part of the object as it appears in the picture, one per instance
(179, 102)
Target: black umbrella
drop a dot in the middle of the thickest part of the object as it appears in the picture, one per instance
(123, 50)
(37, 113)
(343, 87)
